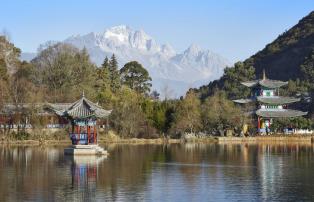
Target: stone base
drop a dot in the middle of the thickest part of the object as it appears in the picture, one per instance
(85, 150)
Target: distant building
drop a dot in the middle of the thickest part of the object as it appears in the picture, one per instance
(270, 105)
(49, 115)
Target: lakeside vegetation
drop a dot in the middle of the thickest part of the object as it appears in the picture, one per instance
(61, 72)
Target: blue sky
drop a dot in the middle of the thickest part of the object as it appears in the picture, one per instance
(235, 29)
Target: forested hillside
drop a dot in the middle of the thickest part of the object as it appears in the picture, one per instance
(289, 57)
(282, 59)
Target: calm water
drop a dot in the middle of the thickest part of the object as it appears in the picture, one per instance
(191, 172)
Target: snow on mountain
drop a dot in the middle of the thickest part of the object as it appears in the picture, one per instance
(176, 71)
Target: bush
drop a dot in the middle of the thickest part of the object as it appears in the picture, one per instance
(21, 135)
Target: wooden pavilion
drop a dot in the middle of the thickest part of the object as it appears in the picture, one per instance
(83, 115)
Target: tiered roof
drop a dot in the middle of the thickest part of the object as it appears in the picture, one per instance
(271, 100)
(81, 109)
(264, 82)
(279, 113)
(267, 83)
(274, 100)
(277, 100)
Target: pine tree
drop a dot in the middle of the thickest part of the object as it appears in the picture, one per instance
(105, 73)
(115, 82)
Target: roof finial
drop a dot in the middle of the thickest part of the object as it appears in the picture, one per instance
(83, 94)
(264, 74)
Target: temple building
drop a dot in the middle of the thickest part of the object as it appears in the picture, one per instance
(82, 119)
(82, 115)
(270, 105)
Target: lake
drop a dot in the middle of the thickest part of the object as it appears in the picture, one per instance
(176, 172)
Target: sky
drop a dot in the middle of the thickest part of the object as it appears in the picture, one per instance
(235, 29)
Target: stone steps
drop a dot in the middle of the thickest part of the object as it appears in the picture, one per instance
(85, 150)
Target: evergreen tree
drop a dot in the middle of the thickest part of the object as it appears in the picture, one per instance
(104, 75)
(115, 82)
(104, 93)
(232, 78)
(134, 75)
(307, 68)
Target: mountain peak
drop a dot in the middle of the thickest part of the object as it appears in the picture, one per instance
(161, 61)
(118, 33)
(119, 28)
(193, 49)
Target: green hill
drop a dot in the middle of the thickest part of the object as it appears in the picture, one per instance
(289, 57)
(283, 58)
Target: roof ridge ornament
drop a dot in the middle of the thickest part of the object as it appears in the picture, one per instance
(264, 74)
(83, 94)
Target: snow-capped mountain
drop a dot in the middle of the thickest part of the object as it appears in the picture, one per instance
(177, 71)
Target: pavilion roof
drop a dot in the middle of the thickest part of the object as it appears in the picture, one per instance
(243, 101)
(279, 113)
(82, 108)
(267, 83)
(277, 100)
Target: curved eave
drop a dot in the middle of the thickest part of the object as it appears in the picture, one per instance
(243, 101)
(99, 114)
(267, 83)
(280, 113)
(250, 84)
(277, 100)
(272, 83)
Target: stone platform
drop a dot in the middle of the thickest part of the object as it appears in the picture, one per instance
(85, 150)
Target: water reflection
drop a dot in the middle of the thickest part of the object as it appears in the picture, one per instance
(187, 172)
(84, 172)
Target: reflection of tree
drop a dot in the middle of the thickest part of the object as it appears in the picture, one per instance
(264, 171)
(127, 168)
(26, 172)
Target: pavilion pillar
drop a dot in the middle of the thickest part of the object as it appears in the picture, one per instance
(95, 135)
(88, 134)
(258, 124)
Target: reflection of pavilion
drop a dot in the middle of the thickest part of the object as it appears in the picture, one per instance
(84, 170)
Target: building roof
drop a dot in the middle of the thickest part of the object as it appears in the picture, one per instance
(267, 83)
(9, 108)
(277, 100)
(82, 108)
(279, 113)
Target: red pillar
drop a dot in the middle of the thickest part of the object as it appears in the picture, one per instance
(88, 132)
(95, 135)
(258, 124)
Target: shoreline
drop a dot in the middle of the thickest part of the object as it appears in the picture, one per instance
(268, 139)
(208, 140)
(68, 142)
